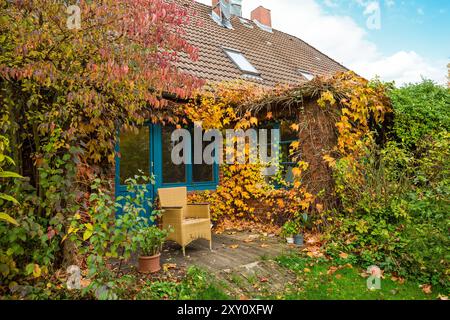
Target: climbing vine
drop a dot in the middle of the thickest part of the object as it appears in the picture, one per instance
(355, 108)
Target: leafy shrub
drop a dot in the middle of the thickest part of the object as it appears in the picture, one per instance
(150, 240)
(99, 235)
(29, 242)
(5, 160)
(420, 110)
(396, 199)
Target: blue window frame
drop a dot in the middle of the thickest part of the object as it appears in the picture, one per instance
(188, 180)
(145, 150)
(287, 137)
(134, 155)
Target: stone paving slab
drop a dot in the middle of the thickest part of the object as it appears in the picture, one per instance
(230, 250)
(241, 261)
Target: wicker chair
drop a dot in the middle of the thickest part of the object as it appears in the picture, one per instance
(188, 222)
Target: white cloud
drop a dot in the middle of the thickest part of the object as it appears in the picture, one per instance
(340, 37)
(403, 67)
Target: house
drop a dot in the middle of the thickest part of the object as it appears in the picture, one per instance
(230, 47)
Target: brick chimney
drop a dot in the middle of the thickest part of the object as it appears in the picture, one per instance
(262, 15)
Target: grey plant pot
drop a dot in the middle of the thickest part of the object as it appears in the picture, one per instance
(298, 240)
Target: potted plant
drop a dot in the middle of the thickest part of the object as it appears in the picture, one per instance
(302, 222)
(150, 240)
(288, 231)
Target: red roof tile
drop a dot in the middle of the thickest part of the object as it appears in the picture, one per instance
(278, 56)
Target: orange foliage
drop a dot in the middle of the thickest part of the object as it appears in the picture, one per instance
(243, 190)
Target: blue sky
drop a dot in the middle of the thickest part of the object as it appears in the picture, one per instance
(423, 26)
(396, 40)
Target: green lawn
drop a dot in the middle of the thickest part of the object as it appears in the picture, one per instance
(314, 283)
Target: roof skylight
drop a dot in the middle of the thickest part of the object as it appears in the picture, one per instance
(307, 75)
(241, 61)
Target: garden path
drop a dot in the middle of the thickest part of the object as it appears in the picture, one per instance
(241, 261)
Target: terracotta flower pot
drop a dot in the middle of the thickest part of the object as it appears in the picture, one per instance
(150, 264)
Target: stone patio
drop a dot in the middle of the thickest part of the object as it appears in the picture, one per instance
(230, 250)
(241, 261)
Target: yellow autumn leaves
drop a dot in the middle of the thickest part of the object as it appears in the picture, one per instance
(350, 99)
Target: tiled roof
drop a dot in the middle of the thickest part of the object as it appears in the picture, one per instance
(278, 56)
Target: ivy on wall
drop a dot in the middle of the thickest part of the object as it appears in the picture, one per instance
(355, 107)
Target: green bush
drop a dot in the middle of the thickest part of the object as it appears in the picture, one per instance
(150, 240)
(29, 242)
(420, 110)
(396, 199)
(99, 236)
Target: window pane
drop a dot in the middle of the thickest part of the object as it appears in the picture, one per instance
(202, 172)
(288, 174)
(241, 61)
(171, 173)
(135, 153)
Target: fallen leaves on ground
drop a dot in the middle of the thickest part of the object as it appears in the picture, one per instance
(343, 255)
(333, 269)
(234, 246)
(242, 225)
(264, 245)
(168, 266)
(319, 207)
(398, 279)
(313, 245)
(364, 274)
(426, 288)
(84, 283)
(313, 251)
